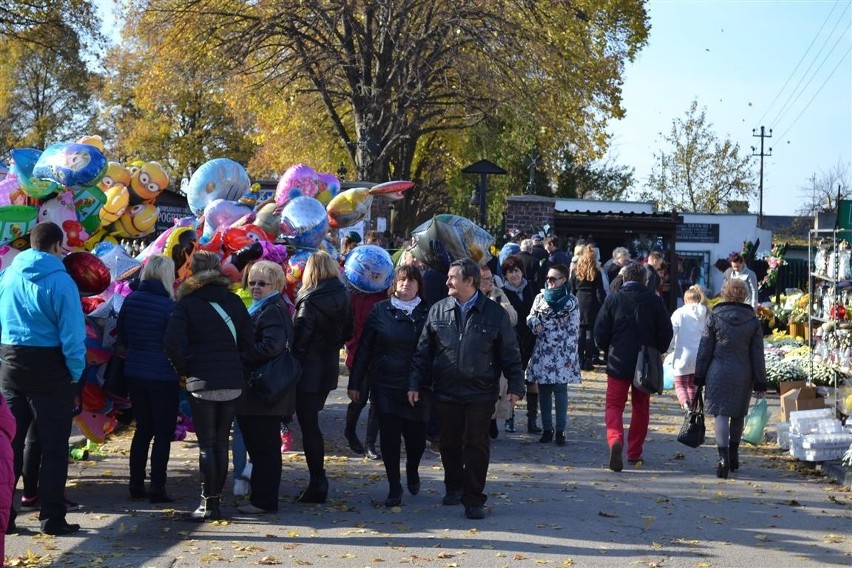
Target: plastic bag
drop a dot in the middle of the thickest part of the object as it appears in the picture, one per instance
(755, 423)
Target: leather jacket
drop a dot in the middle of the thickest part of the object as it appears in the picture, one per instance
(463, 364)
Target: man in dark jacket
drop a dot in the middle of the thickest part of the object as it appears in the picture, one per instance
(43, 349)
(628, 319)
(466, 343)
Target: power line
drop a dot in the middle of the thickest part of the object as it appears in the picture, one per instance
(796, 68)
(787, 104)
(836, 67)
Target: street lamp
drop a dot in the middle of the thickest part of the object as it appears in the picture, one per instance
(341, 171)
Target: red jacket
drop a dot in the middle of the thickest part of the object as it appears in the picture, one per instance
(362, 303)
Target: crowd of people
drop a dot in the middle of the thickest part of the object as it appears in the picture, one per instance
(441, 358)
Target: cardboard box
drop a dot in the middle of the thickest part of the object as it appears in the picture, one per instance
(796, 395)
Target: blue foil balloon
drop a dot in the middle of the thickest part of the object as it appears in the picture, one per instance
(220, 178)
(304, 219)
(23, 162)
(369, 268)
(75, 166)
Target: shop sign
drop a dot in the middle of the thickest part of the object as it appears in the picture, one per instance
(698, 233)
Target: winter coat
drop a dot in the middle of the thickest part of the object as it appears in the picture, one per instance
(199, 343)
(522, 301)
(383, 362)
(555, 358)
(628, 319)
(141, 328)
(687, 326)
(323, 322)
(532, 269)
(273, 334)
(590, 295)
(730, 360)
(499, 296)
(42, 328)
(463, 363)
(362, 303)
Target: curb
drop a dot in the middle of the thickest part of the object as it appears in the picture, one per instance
(834, 469)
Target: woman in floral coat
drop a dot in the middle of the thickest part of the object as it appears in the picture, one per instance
(555, 320)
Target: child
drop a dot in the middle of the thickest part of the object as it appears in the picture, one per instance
(687, 323)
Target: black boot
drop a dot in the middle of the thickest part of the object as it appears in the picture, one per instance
(734, 454)
(317, 490)
(532, 413)
(723, 467)
(208, 509)
(353, 411)
(546, 437)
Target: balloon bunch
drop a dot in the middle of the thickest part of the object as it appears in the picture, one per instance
(76, 187)
(306, 205)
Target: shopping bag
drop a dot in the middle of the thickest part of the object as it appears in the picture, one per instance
(755, 423)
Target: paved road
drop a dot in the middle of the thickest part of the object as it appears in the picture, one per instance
(548, 506)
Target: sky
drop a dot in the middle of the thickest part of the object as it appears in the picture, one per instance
(784, 65)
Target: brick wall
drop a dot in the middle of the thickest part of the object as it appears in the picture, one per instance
(525, 211)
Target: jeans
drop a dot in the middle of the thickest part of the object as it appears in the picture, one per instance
(466, 448)
(616, 399)
(546, 393)
(262, 436)
(155, 407)
(212, 428)
(51, 413)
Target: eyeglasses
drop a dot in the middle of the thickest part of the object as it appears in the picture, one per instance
(553, 279)
(260, 283)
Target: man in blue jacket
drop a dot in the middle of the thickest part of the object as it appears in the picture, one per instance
(466, 343)
(42, 335)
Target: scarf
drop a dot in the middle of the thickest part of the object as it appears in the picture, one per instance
(517, 290)
(257, 304)
(406, 306)
(556, 298)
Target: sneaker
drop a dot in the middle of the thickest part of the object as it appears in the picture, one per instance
(510, 426)
(241, 488)
(30, 503)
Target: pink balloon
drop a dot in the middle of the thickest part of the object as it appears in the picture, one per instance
(299, 179)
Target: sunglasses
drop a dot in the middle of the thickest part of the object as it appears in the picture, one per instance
(552, 279)
(260, 283)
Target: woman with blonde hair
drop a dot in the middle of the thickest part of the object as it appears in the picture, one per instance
(258, 420)
(323, 322)
(687, 324)
(731, 366)
(152, 382)
(587, 285)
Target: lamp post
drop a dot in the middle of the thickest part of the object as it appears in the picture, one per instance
(483, 168)
(341, 171)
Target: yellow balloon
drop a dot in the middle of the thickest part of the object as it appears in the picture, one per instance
(117, 200)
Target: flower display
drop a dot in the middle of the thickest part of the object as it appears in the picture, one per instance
(774, 261)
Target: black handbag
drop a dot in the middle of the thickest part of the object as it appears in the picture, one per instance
(272, 380)
(115, 383)
(648, 376)
(692, 430)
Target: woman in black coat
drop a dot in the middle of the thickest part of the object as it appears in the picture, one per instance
(259, 421)
(152, 382)
(323, 322)
(731, 366)
(521, 295)
(587, 284)
(204, 345)
(383, 361)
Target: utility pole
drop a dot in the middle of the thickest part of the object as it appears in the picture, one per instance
(762, 154)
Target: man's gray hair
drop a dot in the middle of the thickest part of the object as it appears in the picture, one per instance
(620, 252)
(468, 269)
(635, 273)
(527, 245)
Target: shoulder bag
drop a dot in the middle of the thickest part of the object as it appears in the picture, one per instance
(692, 430)
(648, 374)
(271, 381)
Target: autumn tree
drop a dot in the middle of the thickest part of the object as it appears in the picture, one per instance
(46, 94)
(52, 20)
(392, 75)
(697, 171)
(592, 180)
